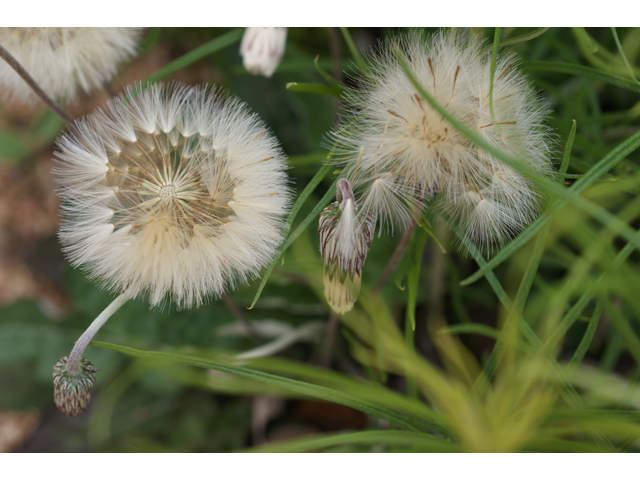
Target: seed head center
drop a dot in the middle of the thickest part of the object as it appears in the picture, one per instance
(167, 192)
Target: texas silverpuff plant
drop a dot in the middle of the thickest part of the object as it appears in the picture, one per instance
(172, 193)
(63, 60)
(401, 156)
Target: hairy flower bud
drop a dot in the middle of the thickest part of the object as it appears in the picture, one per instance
(72, 390)
(345, 237)
(262, 49)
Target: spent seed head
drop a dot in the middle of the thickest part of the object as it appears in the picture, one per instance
(63, 60)
(400, 153)
(172, 190)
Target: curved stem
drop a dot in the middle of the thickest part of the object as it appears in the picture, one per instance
(13, 63)
(395, 259)
(73, 365)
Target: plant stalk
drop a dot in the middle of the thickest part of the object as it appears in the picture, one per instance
(73, 366)
(13, 63)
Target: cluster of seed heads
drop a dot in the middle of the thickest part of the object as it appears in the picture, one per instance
(179, 193)
(402, 156)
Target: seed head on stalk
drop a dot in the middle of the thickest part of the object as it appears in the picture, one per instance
(172, 193)
(401, 154)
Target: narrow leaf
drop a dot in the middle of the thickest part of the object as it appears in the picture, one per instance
(314, 88)
(295, 386)
(581, 70)
(524, 38)
(196, 54)
(415, 441)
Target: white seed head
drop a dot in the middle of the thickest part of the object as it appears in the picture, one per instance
(63, 60)
(345, 237)
(262, 48)
(399, 152)
(178, 191)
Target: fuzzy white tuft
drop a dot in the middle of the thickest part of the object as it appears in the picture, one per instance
(178, 192)
(262, 48)
(399, 152)
(63, 60)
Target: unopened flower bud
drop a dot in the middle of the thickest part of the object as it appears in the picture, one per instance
(345, 237)
(262, 49)
(72, 390)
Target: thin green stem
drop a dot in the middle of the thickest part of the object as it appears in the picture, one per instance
(352, 48)
(622, 54)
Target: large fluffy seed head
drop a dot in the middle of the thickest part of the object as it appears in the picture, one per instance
(63, 60)
(399, 151)
(179, 191)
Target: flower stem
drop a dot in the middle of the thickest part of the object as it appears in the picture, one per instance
(13, 63)
(73, 366)
(395, 259)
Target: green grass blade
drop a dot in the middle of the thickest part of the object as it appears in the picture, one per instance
(585, 40)
(328, 78)
(524, 38)
(475, 328)
(624, 57)
(567, 195)
(419, 242)
(587, 338)
(314, 88)
(629, 336)
(572, 315)
(352, 48)
(583, 71)
(595, 172)
(196, 54)
(295, 386)
(536, 256)
(311, 186)
(566, 157)
(395, 438)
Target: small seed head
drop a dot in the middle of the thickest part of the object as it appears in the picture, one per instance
(72, 391)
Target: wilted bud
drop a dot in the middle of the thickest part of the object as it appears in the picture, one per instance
(345, 237)
(72, 391)
(262, 49)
